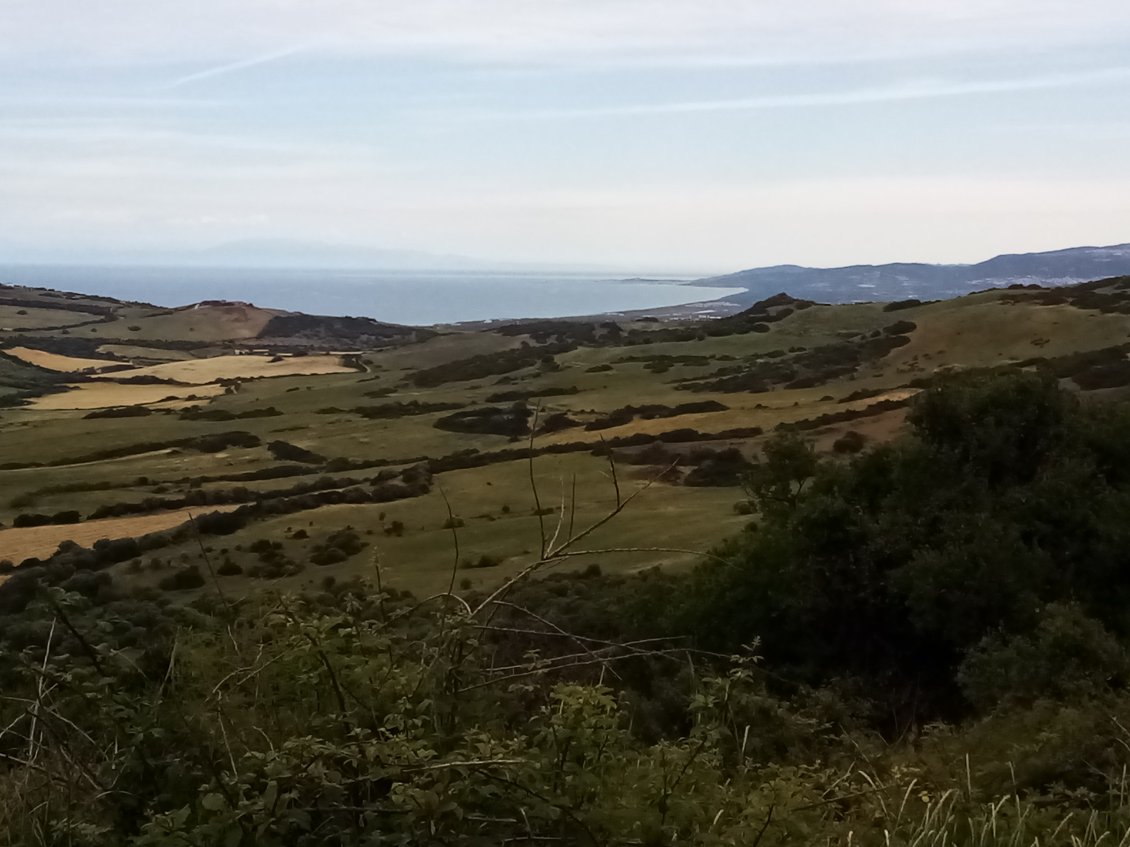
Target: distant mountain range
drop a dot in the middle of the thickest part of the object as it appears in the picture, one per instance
(904, 280)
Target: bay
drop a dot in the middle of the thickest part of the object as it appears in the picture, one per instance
(408, 297)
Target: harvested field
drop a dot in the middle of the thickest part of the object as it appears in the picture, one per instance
(22, 543)
(153, 354)
(203, 371)
(103, 395)
(56, 362)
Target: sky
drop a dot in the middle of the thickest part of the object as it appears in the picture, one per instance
(702, 136)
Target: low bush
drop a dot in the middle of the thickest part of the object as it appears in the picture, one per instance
(183, 580)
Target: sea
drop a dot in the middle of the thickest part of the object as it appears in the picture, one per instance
(404, 297)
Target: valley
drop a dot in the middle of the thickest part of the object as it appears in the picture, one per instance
(335, 446)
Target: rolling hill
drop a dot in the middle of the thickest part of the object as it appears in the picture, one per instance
(278, 421)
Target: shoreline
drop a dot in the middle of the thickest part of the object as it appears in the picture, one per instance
(390, 297)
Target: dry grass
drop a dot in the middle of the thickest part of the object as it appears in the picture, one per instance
(22, 543)
(192, 323)
(979, 332)
(56, 362)
(29, 317)
(204, 371)
(152, 354)
(103, 395)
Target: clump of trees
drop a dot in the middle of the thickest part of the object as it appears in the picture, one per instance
(492, 364)
(284, 451)
(337, 547)
(916, 565)
(512, 421)
(652, 411)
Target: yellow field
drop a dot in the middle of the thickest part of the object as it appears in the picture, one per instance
(56, 362)
(22, 543)
(132, 351)
(203, 371)
(103, 395)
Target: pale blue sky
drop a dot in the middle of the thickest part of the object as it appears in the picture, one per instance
(690, 136)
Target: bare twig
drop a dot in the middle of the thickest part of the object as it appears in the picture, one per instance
(554, 665)
(207, 559)
(86, 646)
(764, 827)
(557, 631)
(534, 482)
(621, 504)
(560, 518)
(612, 469)
(39, 693)
(561, 551)
(603, 551)
(454, 538)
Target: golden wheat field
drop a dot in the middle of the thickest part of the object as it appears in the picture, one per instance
(203, 371)
(57, 362)
(19, 543)
(103, 395)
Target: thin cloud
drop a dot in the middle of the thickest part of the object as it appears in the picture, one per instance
(236, 67)
(859, 96)
(576, 32)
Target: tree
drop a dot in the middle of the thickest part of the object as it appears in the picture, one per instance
(777, 481)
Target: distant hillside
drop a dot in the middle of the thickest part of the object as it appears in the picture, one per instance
(902, 280)
(82, 323)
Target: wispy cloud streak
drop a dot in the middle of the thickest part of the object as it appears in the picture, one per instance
(923, 90)
(236, 67)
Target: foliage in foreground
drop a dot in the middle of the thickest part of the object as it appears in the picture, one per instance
(362, 718)
(971, 573)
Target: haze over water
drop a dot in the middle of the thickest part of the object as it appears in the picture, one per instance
(406, 297)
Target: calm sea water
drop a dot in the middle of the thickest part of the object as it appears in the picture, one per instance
(398, 297)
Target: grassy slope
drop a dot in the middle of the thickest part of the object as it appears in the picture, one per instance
(973, 331)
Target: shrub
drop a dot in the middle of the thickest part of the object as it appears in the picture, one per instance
(346, 540)
(1068, 656)
(726, 467)
(490, 420)
(284, 451)
(484, 561)
(229, 568)
(182, 580)
(119, 412)
(898, 305)
(327, 556)
(850, 442)
(900, 328)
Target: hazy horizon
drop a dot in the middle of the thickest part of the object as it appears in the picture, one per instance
(286, 255)
(619, 134)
